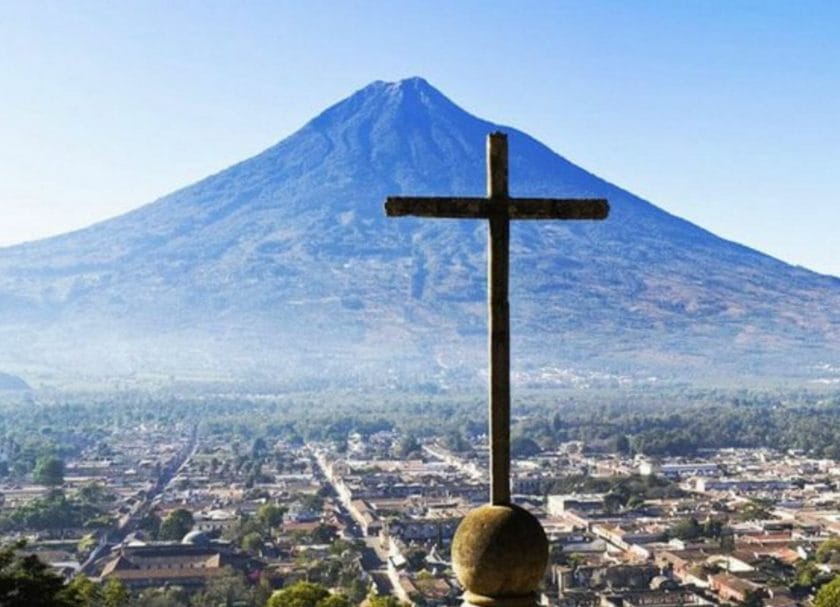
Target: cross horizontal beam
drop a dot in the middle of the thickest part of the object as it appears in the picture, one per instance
(482, 208)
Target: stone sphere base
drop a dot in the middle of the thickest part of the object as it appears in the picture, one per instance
(499, 554)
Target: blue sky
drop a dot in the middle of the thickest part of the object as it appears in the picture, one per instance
(726, 113)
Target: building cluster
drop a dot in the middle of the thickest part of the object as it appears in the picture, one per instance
(732, 526)
(113, 479)
(378, 514)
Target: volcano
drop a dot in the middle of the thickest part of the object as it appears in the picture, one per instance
(284, 269)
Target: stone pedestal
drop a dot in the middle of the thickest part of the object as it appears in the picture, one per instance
(499, 554)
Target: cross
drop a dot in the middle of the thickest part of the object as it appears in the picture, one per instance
(498, 208)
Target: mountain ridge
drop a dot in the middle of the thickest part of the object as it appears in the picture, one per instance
(293, 241)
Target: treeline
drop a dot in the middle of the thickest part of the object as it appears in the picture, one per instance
(678, 423)
(688, 430)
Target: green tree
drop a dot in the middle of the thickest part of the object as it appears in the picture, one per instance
(176, 525)
(299, 594)
(86, 545)
(829, 551)
(150, 524)
(252, 543)
(114, 594)
(85, 591)
(407, 445)
(806, 573)
(755, 510)
(227, 590)
(335, 600)
(523, 446)
(27, 581)
(323, 534)
(686, 529)
(161, 597)
(49, 470)
(829, 594)
(270, 515)
(377, 600)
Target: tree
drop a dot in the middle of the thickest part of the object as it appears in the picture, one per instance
(829, 594)
(176, 525)
(755, 510)
(613, 503)
(49, 470)
(150, 524)
(829, 551)
(522, 446)
(622, 444)
(752, 599)
(377, 600)
(114, 593)
(408, 444)
(252, 542)
(335, 600)
(686, 529)
(270, 515)
(226, 590)
(86, 545)
(415, 558)
(161, 597)
(84, 590)
(323, 534)
(454, 441)
(259, 447)
(806, 573)
(26, 580)
(299, 594)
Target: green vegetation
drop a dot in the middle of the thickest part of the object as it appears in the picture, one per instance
(270, 515)
(829, 594)
(176, 525)
(49, 470)
(376, 600)
(671, 421)
(53, 512)
(621, 491)
(25, 580)
(829, 551)
(755, 510)
(307, 594)
(689, 529)
(228, 590)
(522, 446)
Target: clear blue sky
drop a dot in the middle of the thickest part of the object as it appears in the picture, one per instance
(726, 113)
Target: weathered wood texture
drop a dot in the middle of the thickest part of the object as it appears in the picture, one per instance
(480, 208)
(498, 319)
(499, 209)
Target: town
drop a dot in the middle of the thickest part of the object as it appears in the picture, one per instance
(154, 506)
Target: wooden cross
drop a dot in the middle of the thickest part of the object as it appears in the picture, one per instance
(499, 208)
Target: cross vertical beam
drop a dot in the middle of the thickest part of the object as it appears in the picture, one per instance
(498, 325)
(499, 209)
